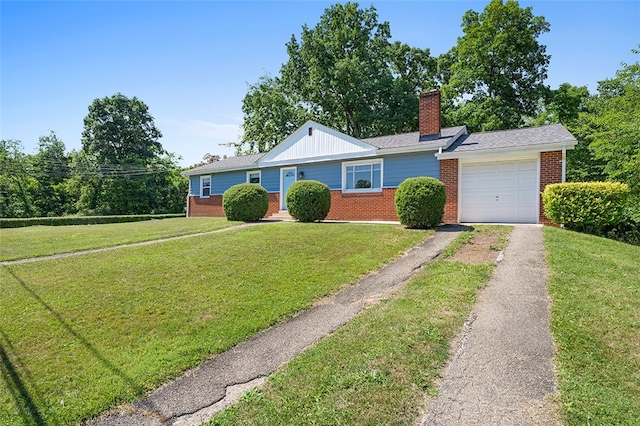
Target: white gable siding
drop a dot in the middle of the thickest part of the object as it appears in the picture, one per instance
(322, 144)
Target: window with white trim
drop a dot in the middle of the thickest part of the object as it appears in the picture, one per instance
(362, 176)
(254, 177)
(205, 186)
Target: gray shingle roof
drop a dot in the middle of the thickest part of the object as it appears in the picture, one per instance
(242, 161)
(501, 139)
(410, 139)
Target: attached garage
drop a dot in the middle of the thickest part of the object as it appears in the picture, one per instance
(499, 176)
(499, 191)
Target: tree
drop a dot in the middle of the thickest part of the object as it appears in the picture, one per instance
(497, 68)
(344, 73)
(615, 126)
(271, 113)
(16, 182)
(124, 168)
(50, 167)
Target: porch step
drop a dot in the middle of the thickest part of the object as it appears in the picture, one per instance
(281, 215)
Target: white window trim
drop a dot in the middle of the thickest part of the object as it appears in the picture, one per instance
(259, 172)
(202, 178)
(357, 163)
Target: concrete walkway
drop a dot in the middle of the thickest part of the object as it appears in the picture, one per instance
(196, 396)
(501, 371)
(119, 246)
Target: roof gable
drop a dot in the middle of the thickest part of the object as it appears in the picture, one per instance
(314, 142)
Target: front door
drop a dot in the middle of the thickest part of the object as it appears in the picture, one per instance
(287, 177)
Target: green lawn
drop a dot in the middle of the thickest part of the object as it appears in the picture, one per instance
(377, 369)
(31, 241)
(82, 334)
(595, 321)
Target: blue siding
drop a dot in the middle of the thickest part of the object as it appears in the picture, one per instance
(220, 182)
(195, 185)
(328, 173)
(396, 168)
(270, 179)
(400, 167)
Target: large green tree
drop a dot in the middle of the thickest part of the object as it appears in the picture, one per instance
(614, 124)
(494, 77)
(344, 73)
(271, 113)
(123, 168)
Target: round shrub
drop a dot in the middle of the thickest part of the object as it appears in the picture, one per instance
(246, 202)
(420, 202)
(308, 200)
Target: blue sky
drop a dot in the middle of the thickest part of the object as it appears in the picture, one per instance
(191, 62)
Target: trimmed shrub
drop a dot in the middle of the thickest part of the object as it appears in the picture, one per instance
(247, 202)
(81, 220)
(308, 200)
(420, 202)
(586, 206)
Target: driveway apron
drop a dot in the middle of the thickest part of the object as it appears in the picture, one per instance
(501, 372)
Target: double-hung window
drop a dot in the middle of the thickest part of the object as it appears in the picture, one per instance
(253, 177)
(205, 186)
(362, 176)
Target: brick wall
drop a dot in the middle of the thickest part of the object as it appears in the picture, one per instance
(363, 206)
(212, 206)
(449, 176)
(550, 172)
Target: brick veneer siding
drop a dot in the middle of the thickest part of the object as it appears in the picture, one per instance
(363, 206)
(550, 172)
(449, 176)
(212, 206)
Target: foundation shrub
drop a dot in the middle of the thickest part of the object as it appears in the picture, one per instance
(246, 202)
(308, 200)
(420, 202)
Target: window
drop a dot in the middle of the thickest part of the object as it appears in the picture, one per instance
(362, 176)
(205, 186)
(253, 177)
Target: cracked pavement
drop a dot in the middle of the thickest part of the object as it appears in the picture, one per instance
(501, 371)
(199, 393)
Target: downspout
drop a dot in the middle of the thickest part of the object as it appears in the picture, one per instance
(564, 164)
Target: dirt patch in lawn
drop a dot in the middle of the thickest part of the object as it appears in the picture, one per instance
(484, 247)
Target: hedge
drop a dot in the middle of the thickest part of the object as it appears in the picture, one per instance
(420, 202)
(80, 220)
(247, 202)
(586, 206)
(308, 200)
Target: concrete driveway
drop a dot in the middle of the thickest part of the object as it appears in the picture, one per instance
(501, 372)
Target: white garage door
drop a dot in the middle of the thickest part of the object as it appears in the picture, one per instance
(499, 191)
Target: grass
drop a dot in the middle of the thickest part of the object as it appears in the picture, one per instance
(378, 368)
(80, 335)
(31, 241)
(595, 320)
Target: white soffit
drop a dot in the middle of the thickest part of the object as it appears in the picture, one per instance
(313, 141)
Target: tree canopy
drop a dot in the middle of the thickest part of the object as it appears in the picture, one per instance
(120, 130)
(494, 76)
(344, 73)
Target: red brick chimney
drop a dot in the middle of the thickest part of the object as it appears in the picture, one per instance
(429, 115)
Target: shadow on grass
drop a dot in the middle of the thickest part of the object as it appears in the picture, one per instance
(24, 400)
(22, 397)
